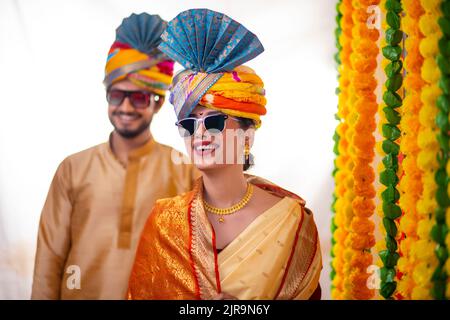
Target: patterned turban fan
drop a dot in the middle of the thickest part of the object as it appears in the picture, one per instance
(212, 48)
(134, 54)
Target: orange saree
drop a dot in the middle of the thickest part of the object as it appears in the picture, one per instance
(276, 257)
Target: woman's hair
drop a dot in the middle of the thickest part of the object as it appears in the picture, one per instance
(246, 124)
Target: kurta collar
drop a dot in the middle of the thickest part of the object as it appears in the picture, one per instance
(135, 154)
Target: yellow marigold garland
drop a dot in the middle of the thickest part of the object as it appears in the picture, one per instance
(410, 186)
(344, 189)
(440, 229)
(423, 249)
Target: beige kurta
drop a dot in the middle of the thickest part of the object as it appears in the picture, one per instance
(93, 217)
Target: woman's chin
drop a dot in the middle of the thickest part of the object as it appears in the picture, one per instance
(205, 165)
(205, 160)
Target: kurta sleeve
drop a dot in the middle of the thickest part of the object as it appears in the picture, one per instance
(53, 242)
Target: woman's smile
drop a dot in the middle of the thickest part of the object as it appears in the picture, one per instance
(204, 147)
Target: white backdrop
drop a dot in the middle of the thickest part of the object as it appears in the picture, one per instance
(52, 104)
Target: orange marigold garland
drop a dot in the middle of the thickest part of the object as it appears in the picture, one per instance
(360, 238)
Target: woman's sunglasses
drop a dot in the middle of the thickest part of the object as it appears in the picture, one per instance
(138, 99)
(213, 123)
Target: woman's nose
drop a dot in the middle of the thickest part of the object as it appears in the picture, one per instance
(200, 128)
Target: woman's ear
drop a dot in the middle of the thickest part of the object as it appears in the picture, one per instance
(250, 133)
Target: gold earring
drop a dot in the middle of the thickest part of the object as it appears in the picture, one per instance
(247, 150)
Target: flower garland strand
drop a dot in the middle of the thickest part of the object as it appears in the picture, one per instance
(440, 229)
(391, 133)
(361, 238)
(344, 188)
(336, 138)
(423, 249)
(410, 185)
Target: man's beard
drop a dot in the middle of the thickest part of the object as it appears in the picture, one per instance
(130, 134)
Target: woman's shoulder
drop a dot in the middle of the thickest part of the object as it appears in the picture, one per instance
(265, 200)
(178, 202)
(168, 213)
(274, 190)
(177, 205)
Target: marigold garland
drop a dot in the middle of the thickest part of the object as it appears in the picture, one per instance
(343, 179)
(415, 123)
(422, 249)
(410, 186)
(363, 108)
(440, 229)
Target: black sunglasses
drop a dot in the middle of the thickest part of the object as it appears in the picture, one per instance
(138, 99)
(214, 123)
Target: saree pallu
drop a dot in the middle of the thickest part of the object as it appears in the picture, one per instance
(277, 256)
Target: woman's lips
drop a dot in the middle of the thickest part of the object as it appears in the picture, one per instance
(203, 148)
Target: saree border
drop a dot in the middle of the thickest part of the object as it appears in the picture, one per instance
(202, 248)
(295, 270)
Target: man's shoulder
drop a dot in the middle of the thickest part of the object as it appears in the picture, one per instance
(85, 154)
(178, 158)
(167, 149)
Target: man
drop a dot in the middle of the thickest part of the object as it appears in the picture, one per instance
(100, 198)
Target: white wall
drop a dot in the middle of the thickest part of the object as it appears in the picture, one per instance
(52, 104)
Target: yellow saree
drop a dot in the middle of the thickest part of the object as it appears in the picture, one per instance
(276, 257)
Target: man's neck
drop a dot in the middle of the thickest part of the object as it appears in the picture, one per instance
(121, 147)
(224, 187)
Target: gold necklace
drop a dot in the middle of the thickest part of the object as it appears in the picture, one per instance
(230, 210)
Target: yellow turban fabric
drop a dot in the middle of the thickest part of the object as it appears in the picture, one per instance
(238, 93)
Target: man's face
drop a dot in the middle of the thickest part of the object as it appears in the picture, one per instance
(129, 121)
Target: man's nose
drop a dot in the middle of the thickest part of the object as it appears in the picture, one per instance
(126, 105)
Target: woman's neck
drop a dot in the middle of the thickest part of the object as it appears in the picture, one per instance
(123, 146)
(224, 187)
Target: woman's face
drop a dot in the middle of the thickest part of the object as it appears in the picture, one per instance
(213, 149)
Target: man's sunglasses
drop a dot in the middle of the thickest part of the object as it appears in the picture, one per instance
(214, 123)
(138, 99)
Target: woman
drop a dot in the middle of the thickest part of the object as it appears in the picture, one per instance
(234, 236)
